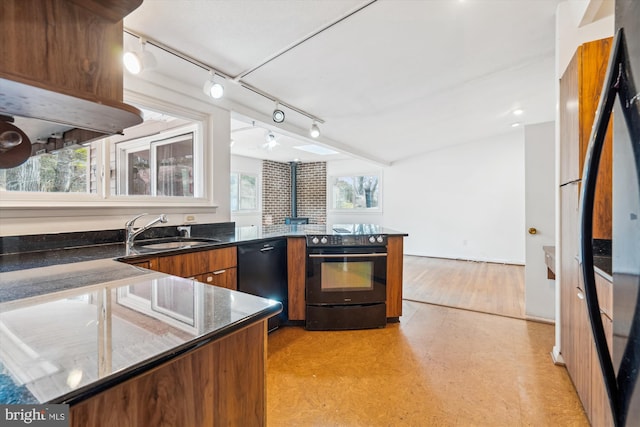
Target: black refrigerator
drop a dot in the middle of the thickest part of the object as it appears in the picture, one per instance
(620, 95)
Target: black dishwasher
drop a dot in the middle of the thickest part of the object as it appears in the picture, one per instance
(262, 271)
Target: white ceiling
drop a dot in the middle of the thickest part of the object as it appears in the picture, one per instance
(395, 79)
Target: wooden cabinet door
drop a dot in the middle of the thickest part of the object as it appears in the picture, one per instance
(225, 278)
(582, 346)
(569, 273)
(297, 267)
(570, 122)
(600, 409)
(394, 276)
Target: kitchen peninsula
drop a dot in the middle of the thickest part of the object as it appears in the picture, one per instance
(122, 344)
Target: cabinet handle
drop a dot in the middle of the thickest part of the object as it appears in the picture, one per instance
(580, 295)
(219, 272)
(209, 279)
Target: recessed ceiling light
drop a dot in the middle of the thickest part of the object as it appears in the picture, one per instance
(515, 125)
(518, 112)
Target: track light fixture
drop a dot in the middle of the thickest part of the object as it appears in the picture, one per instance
(212, 88)
(315, 130)
(278, 114)
(137, 61)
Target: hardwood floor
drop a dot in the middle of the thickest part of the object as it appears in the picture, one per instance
(479, 286)
(438, 367)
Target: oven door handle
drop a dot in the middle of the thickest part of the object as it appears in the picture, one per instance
(375, 254)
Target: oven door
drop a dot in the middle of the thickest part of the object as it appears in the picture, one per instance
(350, 275)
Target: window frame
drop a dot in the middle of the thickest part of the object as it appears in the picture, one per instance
(330, 199)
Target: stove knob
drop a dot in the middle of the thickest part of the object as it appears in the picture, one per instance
(380, 239)
(315, 240)
(323, 240)
(372, 239)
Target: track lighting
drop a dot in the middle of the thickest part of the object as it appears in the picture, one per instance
(137, 61)
(269, 137)
(315, 130)
(212, 88)
(278, 114)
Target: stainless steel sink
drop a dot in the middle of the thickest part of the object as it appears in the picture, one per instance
(173, 243)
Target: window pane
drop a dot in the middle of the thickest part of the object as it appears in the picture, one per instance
(65, 171)
(139, 173)
(175, 167)
(356, 192)
(367, 189)
(248, 192)
(343, 193)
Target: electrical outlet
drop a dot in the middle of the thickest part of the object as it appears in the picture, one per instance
(189, 218)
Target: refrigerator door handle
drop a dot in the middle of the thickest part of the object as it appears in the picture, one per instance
(589, 177)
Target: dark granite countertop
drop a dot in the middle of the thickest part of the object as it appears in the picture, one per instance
(74, 341)
(58, 292)
(26, 253)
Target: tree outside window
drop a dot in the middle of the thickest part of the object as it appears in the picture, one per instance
(62, 171)
(356, 192)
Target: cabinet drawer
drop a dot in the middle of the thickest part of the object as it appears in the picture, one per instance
(225, 278)
(196, 263)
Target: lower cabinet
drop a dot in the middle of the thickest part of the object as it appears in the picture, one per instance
(214, 267)
(600, 409)
(296, 266)
(221, 383)
(578, 346)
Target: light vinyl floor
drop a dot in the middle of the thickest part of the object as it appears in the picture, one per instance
(439, 366)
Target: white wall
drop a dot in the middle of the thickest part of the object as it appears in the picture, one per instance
(251, 166)
(463, 202)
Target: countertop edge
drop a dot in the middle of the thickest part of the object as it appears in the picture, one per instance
(83, 393)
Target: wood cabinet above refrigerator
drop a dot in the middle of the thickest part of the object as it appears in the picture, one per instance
(580, 88)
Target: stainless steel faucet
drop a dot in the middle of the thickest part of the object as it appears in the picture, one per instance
(132, 232)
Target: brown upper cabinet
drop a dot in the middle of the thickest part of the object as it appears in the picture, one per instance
(61, 61)
(580, 89)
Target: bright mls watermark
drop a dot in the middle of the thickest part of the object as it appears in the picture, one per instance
(47, 415)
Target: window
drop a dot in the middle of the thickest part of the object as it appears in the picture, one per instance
(359, 192)
(157, 165)
(62, 171)
(160, 162)
(244, 192)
